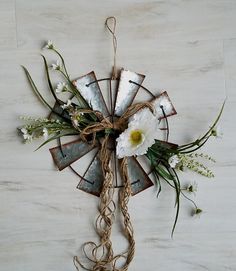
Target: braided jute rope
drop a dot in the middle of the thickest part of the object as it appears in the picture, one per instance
(101, 256)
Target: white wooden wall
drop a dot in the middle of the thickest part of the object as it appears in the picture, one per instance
(187, 47)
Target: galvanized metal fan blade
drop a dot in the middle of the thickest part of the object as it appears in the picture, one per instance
(126, 90)
(68, 153)
(93, 177)
(163, 101)
(137, 176)
(89, 88)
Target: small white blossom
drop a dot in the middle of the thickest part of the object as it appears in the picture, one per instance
(197, 212)
(45, 133)
(61, 87)
(192, 188)
(49, 45)
(217, 132)
(56, 66)
(67, 105)
(26, 134)
(76, 117)
(24, 131)
(139, 136)
(173, 161)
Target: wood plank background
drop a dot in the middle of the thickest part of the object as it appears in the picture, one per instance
(185, 47)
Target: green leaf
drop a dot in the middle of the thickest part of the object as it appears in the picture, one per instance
(177, 203)
(68, 132)
(49, 80)
(200, 142)
(34, 88)
(163, 173)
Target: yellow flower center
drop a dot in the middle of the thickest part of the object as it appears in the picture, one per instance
(136, 137)
(77, 117)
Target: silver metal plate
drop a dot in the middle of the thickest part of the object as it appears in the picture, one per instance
(93, 178)
(126, 90)
(66, 154)
(91, 92)
(164, 101)
(137, 176)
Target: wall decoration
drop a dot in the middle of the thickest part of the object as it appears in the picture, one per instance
(119, 133)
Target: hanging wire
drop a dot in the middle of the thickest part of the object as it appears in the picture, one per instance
(110, 23)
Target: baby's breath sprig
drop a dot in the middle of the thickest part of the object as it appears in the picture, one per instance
(201, 155)
(43, 127)
(189, 161)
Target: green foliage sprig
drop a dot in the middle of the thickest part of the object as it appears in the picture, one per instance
(166, 159)
(71, 120)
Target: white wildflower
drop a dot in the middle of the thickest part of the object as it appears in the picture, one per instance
(61, 87)
(173, 161)
(67, 105)
(217, 132)
(76, 117)
(192, 188)
(26, 135)
(139, 136)
(45, 133)
(49, 45)
(24, 131)
(197, 212)
(56, 66)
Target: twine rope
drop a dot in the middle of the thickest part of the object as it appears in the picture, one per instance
(110, 23)
(101, 255)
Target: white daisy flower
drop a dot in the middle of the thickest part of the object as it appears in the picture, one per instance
(45, 133)
(67, 105)
(61, 87)
(173, 161)
(49, 45)
(217, 132)
(139, 136)
(56, 66)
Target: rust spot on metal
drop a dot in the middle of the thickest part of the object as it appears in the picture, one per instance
(163, 101)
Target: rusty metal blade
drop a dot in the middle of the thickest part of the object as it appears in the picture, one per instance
(90, 90)
(137, 176)
(163, 100)
(66, 154)
(127, 91)
(93, 178)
